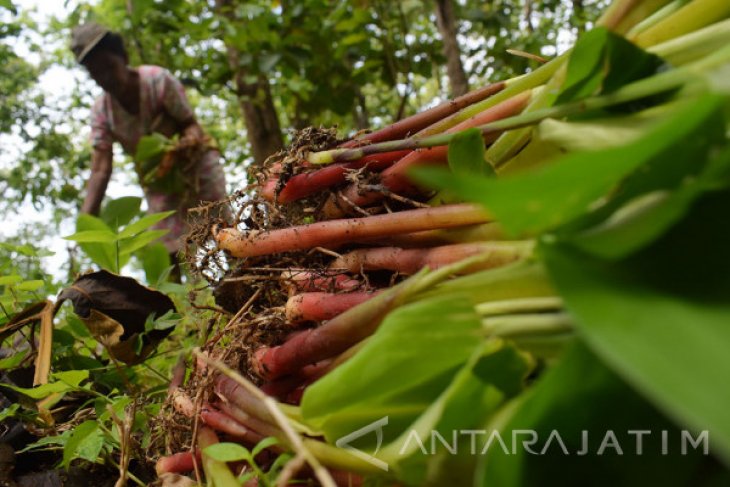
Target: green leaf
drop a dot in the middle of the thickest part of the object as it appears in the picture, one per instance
(103, 254)
(127, 246)
(549, 196)
(151, 146)
(143, 224)
(492, 373)
(168, 320)
(13, 361)
(344, 400)
(10, 280)
(602, 62)
(63, 382)
(228, 452)
(278, 466)
(48, 440)
(9, 411)
(7, 4)
(120, 211)
(581, 401)
(660, 318)
(263, 445)
(86, 442)
(155, 261)
(28, 250)
(644, 217)
(33, 285)
(93, 236)
(466, 154)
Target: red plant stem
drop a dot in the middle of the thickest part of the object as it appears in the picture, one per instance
(255, 425)
(308, 281)
(509, 121)
(303, 185)
(182, 462)
(230, 391)
(322, 306)
(409, 261)
(396, 179)
(306, 184)
(224, 423)
(417, 122)
(267, 189)
(334, 232)
(283, 388)
(433, 238)
(331, 339)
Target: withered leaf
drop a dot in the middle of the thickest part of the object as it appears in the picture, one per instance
(115, 308)
(41, 312)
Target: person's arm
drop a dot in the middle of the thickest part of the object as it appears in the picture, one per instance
(101, 171)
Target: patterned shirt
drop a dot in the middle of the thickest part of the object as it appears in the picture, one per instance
(162, 103)
(164, 108)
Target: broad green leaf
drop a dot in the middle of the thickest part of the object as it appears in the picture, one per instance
(263, 445)
(63, 382)
(86, 442)
(602, 62)
(551, 196)
(130, 245)
(466, 154)
(48, 441)
(118, 405)
(446, 327)
(26, 249)
(493, 373)
(143, 224)
(660, 318)
(645, 218)
(228, 452)
(120, 211)
(9, 411)
(580, 402)
(10, 280)
(33, 285)
(13, 361)
(93, 236)
(103, 254)
(151, 146)
(155, 261)
(168, 320)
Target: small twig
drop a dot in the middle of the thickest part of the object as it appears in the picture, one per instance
(290, 470)
(196, 425)
(352, 204)
(246, 306)
(297, 444)
(249, 278)
(211, 308)
(389, 194)
(125, 440)
(325, 251)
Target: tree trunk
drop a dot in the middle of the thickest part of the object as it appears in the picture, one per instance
(447, 27)
(259, 112)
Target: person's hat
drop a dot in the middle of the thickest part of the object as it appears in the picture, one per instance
(85, 37)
